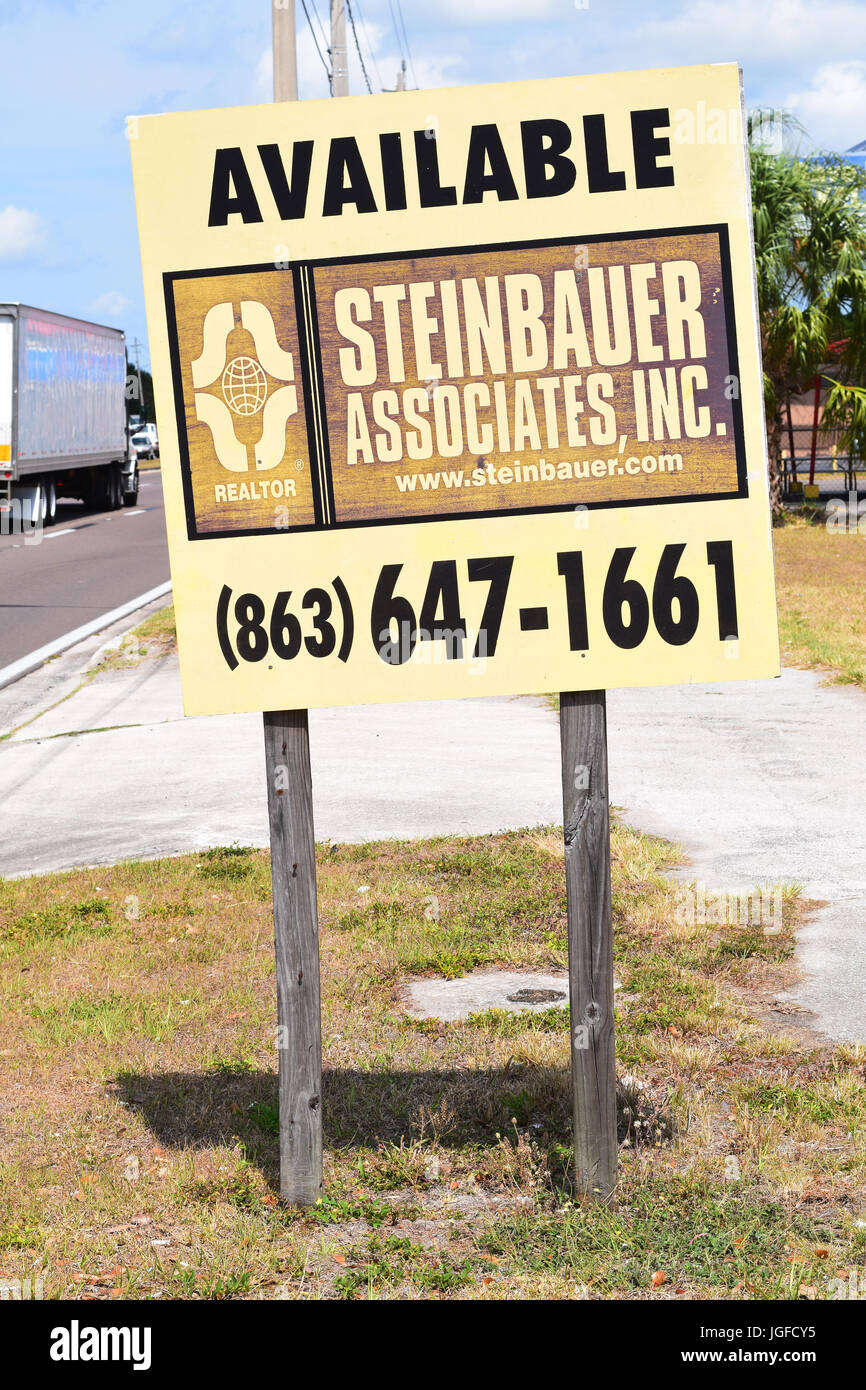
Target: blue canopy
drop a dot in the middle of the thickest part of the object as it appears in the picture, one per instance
(857, 154)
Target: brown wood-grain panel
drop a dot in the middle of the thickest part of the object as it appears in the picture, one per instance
(365, 490)
(193, 297)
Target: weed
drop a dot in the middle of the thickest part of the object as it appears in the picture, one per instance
(229, 863)
(503, 1023)
(92, 917)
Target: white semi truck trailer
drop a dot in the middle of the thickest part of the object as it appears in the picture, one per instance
(62, 415)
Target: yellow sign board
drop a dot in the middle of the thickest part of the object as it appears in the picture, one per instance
(459, 392)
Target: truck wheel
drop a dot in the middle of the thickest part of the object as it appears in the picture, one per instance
(96, 493)
(115, 488)
(40, 505)
(130, 499)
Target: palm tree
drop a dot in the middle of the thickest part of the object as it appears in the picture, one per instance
(810, 253)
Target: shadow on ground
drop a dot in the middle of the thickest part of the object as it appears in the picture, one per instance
(368, 1109)
(360, 1108)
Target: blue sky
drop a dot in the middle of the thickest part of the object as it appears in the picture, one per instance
(72, 70)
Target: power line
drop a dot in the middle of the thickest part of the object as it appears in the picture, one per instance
(363, 24)
(406, 37)
(320, 24)
(358, 46)
(316, 42)
(396, 30)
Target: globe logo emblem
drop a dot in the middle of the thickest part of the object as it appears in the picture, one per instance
(244, 386)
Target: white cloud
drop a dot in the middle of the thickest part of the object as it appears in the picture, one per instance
(110, 305)
(779, 43)
(22, 233)
(265, 74)
(312, 77)
(430, 69)
(504, 11)
(833, 107)
(771, 32)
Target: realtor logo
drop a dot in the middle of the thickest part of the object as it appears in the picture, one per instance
(244, 387)
(236, 356)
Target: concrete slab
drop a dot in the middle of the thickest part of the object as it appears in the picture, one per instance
(146, 694)
(761, 782)
(153, 783)
(62, 676)
(510, 990)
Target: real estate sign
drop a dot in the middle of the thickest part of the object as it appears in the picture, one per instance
(459, 392)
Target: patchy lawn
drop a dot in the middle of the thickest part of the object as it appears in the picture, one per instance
(821, 589)
(139, 1151)
(154, 638)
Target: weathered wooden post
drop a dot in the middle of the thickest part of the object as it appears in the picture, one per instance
(293, 866)
(296, 942)
(586, 827)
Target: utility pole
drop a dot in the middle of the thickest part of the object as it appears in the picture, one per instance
(285, 52)
(339, 56)
(135, 344)
(401, 77)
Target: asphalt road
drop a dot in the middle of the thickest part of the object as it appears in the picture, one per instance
(86, 564)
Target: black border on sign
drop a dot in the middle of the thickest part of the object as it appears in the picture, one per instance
(291, 269)
(309, 415)
(312, 381)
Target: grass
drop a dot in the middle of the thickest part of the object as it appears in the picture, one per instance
(699, 1237)
(153, 638)
(137, 1066)
(91, 916)
(821, 589)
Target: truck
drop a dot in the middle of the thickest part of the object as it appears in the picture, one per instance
(63, 430)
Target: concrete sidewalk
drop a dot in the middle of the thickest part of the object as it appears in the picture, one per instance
(117, 772)
(761, 782)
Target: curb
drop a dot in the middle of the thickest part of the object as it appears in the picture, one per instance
(34, 660)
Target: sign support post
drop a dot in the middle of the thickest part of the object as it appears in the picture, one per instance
(293, 871)
(296, 942)
(586, 827)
